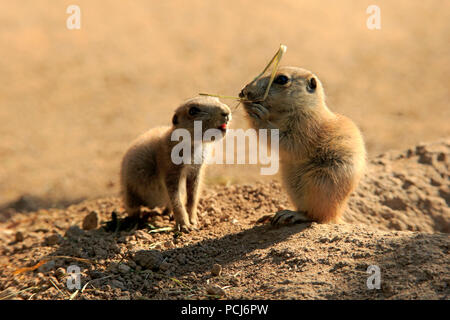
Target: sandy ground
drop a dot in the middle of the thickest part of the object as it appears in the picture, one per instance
(398, 219)
(72, 101)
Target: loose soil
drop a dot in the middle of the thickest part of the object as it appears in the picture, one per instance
(398, 219)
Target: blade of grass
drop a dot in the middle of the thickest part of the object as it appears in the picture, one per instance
(87, 283)
(153, 245)
(278, 56)
(219, 96)
(237, 105)
(18, 292)
(47, 259)
(57, 288)
(268, 65)
(73, 295)
(26, 269)
(179, 282)
(164, 229)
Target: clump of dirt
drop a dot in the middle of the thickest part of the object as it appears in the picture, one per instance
(398, 220)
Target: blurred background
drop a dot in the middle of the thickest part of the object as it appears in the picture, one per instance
(71, 101)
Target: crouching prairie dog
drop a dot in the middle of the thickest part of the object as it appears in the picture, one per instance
(150, 177)
(322, 154)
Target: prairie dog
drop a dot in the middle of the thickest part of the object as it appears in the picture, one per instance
(149, 176)
(322, 154)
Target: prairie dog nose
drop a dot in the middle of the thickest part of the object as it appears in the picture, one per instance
(226, 116)
(246, 94)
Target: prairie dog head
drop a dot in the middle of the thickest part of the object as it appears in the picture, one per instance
(212, 113)
(292, 88)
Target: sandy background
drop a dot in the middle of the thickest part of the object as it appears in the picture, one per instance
(71, 101)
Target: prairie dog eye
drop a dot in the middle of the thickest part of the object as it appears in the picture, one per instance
(193, 111)
(312, 84)
(281, 79)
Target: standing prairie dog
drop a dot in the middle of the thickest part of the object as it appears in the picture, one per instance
(322, 154)
(149, 176)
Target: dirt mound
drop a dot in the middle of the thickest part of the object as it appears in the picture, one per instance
(406, 191)
(398, 220)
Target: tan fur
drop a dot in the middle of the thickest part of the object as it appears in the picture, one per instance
(150, 178)
(322, 154)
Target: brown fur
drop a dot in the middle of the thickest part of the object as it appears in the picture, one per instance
(322, 153)
(150, 178)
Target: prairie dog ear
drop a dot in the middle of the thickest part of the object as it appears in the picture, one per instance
(175, 120)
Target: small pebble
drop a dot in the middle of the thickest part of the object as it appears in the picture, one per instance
(19, 236)
(168, 244)
(90, 221)
(60, 272)
(123, 268)
(117, 284)
(216, 269)
(148, 259)
(215, 290)
(53, 239)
